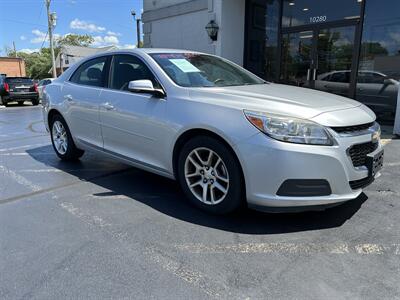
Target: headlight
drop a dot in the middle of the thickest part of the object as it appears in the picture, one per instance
(288, 129)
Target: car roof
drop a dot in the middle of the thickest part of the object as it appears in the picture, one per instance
(152, 50)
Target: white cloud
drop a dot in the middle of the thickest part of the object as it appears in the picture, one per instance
(40, 36)
(113, 33)
(110, 39)
(86, 26)
(395, 36)
(128, 46)
(29, 51)
(105, 40)
(22, 37)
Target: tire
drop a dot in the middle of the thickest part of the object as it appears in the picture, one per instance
(35, 102)
(20, 103)
(62, 141)
(1, 100)
(222, 179)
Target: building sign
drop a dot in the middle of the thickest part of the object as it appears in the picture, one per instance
(303, 12)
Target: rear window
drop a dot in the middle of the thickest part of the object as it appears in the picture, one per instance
(19, 80)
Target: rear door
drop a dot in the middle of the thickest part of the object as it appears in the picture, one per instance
(81, 96)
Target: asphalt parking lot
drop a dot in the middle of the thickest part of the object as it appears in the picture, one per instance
(101, 229)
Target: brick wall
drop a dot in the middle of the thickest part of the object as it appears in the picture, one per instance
(12, 66)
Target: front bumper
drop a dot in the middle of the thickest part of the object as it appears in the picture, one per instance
(268, 163)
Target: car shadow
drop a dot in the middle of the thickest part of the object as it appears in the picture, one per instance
(165, 196)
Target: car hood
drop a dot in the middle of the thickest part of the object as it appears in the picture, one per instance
(288, 100)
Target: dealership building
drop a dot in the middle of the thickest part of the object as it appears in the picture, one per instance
(346, 47)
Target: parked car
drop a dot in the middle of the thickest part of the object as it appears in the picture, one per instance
(42, 85)
(2, 90)
(228, 137)
(19, 89)
(376, 90)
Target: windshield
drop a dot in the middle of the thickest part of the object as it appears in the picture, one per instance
(200, 70)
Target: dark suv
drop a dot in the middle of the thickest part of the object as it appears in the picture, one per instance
(18, 89)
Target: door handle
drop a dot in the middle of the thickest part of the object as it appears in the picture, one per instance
(68, 98)
(108, 106)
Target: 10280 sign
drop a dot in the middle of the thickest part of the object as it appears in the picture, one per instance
(318, 19)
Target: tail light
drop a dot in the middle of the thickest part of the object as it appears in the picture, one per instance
(35, 87)
(6, 87)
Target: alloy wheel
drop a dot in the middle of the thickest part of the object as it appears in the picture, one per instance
(60, 138)
(206, 176)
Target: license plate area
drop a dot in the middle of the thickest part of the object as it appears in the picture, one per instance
(375, 162)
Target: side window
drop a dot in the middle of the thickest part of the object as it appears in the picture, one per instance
(91, 72)
(377, 78)
(367, 77)
(340, 77)
(127, 68)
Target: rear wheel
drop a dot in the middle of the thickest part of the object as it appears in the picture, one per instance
(20, 103)
(210, 175)
(62, 141)
(35, 102)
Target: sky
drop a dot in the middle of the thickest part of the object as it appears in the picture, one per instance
(109, 21)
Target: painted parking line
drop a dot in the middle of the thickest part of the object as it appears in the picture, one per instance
(212, 287)
(385, 141)
(293, 248)
(20, 179)
(23, 147)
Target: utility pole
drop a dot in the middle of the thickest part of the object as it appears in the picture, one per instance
(51, 22)
(133, 13)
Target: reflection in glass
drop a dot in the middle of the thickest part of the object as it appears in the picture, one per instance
(379, 67)
(262, 39)
(335, 50)
(302, 12)
(296, 58)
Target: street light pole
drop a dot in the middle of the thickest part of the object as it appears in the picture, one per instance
(51, 19)
(133, 13)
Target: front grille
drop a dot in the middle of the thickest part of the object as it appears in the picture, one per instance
(361, 183)
(352, 129)
(358, 153)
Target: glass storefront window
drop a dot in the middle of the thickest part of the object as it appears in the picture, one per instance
(271, 43)
(262, 39)
(379, 65)
(304, 12)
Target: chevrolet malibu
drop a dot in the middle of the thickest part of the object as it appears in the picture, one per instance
(228, 137)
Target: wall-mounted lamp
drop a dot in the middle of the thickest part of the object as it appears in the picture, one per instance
(212, 30)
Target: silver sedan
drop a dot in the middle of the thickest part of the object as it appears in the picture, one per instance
(228, 137)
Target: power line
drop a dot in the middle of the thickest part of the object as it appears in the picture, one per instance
(45, 37)
(22, 22)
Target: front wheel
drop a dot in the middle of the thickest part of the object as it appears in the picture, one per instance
(20, 103)
(62, 141)
(35, 102)
(210, 175)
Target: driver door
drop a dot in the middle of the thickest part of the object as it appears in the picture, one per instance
(132, 124)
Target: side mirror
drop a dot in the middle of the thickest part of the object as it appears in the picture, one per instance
(387, 81)
(145, 86)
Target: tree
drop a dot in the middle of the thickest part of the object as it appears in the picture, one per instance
(38, 64)
(83, 40)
